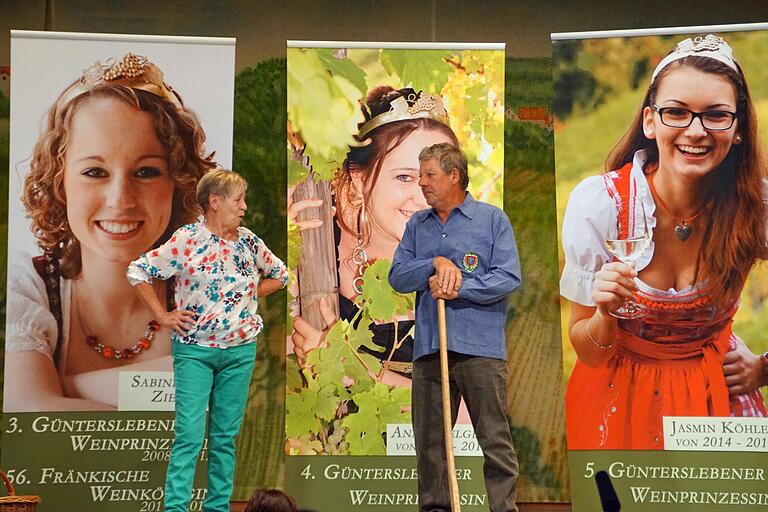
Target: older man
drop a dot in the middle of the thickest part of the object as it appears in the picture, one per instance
(463, 251)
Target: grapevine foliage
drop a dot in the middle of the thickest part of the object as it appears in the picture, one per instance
(339, 382)
(323, 108)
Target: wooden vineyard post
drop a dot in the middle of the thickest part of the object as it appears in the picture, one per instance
(316, 273)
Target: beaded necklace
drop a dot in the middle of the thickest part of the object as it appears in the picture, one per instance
(110, 352)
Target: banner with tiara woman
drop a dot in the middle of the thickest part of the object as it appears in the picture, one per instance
(358, 117)
(666, 304)
(106, 152)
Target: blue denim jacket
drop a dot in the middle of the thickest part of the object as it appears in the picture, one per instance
(478, 239)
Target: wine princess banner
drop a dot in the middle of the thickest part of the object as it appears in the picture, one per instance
(348, 205)
(662, 342)
(358, 116)
(90, 188)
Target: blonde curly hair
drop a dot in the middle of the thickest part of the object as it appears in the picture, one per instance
(179, 132)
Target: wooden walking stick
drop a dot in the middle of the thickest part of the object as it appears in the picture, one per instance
(453, 484)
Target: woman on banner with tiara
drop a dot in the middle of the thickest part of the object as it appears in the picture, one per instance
(376, 191)
(657, 252)
(112, 175)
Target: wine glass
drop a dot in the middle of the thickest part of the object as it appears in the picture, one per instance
(627, 250)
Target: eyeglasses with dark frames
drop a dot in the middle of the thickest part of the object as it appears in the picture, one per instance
(678, 117)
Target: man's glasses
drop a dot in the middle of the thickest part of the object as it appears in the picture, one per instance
(678, 117)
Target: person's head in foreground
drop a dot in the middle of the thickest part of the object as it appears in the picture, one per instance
(270, 500)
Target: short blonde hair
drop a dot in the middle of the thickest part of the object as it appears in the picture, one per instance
(220, 182)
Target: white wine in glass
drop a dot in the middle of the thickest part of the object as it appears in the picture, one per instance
(627, 250)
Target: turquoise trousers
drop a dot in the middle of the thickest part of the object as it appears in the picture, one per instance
(217, 379)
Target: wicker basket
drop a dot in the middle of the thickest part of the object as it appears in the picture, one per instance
(13, 503)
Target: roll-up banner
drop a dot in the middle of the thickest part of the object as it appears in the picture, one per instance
(352, 152)
(95, 180)
(659, 138)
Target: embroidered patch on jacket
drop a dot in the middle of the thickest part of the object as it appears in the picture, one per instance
(470, 261)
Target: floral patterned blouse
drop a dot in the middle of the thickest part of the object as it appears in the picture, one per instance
(216, 279)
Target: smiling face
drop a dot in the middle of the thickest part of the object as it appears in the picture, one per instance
(396, 193)
(691, 152)
(116, 180)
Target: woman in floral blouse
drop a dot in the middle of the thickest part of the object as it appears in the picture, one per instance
(220, 269)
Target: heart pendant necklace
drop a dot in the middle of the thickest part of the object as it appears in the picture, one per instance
(683, 228)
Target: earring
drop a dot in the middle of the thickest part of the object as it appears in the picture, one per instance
(360, 259)
(359, 256)
(737, 139)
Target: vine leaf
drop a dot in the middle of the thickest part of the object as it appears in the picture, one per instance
(337, 444)
(382, 302)
(476, 102)
(378, 407)
(325, 166)
(343, 67)
(425, 70)
(300, 418)
(328, 361)
(361, 336)
(304, 445)
(294, 245)
(292, 373)
(358, 373)
(323, 109)
(327, 402)
(296, 170)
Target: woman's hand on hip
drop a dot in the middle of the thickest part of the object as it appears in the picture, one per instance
(743, 370)
(179, 320)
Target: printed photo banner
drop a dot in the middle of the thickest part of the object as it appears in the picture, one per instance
(349, 441)
(92, 185)
(665, 106)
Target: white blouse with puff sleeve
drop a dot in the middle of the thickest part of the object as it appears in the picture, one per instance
(590, 219)
(30, 325)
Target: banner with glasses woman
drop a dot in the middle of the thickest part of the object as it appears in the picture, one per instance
(658, 249)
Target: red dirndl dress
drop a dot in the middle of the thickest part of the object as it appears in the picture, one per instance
(668, 363)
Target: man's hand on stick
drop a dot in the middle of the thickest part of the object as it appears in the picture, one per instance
(437, 292)
(448, 278)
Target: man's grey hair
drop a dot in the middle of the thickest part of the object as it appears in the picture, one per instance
(449, 157)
